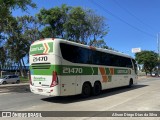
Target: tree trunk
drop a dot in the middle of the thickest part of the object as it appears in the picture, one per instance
(146, 73)
(150, 73)
(20, 69)
(24, 70)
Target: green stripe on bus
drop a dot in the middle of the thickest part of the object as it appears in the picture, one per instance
(50, 44)
(75, 70)
(107, 71)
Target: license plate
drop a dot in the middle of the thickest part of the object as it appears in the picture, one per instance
(40, 90)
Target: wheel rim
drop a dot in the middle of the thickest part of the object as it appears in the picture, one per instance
(130, 83)
(97, 88)
(86, 90)
(4, 82)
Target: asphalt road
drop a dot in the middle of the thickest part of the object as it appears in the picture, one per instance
(144, 96)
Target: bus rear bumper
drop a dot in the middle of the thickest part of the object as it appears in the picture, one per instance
(44, 91)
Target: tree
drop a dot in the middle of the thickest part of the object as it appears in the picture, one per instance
(6, 7)
(10, 32)
(77, 27)
(15, 44)
(98, 44)
(21, 33)
(98, 28)
(53, 21)
(74, 24)
(30, 32)
(149, 59)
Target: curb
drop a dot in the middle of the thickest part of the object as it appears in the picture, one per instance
(14, 85)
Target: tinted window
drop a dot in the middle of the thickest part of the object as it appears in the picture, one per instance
(96, 57)
(129, 63)
(69, 52)
(77, 54)
(105, 59)
(114, 60)
(9, 76)
(82, 55)
(125, 62)
(14, 76)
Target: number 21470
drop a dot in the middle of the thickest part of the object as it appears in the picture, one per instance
(72, 70)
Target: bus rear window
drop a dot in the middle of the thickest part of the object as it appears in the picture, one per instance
(74, 54)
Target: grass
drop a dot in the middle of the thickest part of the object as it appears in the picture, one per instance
(24, 79)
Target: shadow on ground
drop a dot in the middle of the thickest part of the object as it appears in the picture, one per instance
(78, 98)
(18, 89)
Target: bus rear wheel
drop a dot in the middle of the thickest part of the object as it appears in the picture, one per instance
(130, 83)
(86, 90)
(97, 88)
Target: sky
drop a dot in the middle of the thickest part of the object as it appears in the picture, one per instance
(132, 23)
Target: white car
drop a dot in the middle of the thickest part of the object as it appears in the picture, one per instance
(10, 79)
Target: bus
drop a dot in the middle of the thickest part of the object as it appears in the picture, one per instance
(61, 68)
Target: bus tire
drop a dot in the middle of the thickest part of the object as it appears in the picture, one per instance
(86, 90)
(130, 83)
(97, 88)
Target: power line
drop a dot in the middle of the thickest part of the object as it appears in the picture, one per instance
(133, 15)
(120, 19)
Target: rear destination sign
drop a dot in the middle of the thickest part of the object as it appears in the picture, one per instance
(43, 48)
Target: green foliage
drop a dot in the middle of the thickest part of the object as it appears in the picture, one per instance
(12, 33)
(6, 7)
(74, 24)
(98, 28)
(149, 59)
(24, 79)
(53, 20)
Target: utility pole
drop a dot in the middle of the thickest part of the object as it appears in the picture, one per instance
(158, 44)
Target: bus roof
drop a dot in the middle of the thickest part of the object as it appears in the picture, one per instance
(85, 46)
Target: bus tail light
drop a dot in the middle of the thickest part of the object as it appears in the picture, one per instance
(54, 79)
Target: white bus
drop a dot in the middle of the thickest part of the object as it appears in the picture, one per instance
(61, 68)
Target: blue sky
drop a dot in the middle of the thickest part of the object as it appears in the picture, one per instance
(132, 23)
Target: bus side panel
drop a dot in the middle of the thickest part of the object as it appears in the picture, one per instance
(68, 83)
(78, 84)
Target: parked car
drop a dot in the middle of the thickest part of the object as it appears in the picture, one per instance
(155, 74)
(10, 79)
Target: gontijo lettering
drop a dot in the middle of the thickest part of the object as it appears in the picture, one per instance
(42, 48)
(36, 49)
